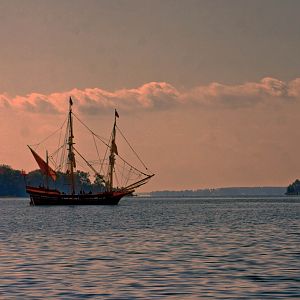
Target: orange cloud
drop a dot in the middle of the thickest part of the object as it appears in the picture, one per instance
(158, 96)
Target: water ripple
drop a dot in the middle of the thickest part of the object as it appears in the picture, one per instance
(151, 249)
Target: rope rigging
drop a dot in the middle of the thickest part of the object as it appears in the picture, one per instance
(50, 135)
(131, 147)
(123, 171)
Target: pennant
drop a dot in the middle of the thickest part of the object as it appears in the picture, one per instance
(71, 102)
(116, 114)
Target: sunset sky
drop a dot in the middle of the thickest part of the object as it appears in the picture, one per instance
(208, 91)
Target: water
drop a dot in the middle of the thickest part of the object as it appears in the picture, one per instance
(151, 249)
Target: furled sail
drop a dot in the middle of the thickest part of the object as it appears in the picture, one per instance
(44, 167)
(114, 147)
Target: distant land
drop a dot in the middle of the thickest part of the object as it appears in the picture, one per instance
(12, 185)
(12, 182)
(224, 192)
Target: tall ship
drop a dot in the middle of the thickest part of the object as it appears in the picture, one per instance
(64, 184)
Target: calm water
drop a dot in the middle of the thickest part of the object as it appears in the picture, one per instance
(151, 249)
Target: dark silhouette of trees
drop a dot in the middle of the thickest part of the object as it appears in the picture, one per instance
(294, 188)
(12, 182)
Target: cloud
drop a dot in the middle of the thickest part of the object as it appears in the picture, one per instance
(4, 101)
(158, 96)
(244, 95)
(35, 103)
(153, 95)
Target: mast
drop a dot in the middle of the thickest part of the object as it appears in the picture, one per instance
(113, 151)
(71, 156)
(47, 175)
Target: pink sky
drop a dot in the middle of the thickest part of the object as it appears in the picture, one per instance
(208, 91)
(207, 136)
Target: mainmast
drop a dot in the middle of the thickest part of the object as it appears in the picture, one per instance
(47, 175)
(113, 151)
(71, 155)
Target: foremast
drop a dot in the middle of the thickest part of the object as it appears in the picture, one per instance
(113, 152)
(71, 155)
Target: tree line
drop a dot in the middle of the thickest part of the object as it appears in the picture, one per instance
(13, 182)
(294, 188)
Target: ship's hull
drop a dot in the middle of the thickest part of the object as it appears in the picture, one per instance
(40, 196)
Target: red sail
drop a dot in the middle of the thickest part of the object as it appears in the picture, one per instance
(43, 165)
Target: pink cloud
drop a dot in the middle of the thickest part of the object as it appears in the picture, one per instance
(244, 95)
(4, 101)
(158, 96)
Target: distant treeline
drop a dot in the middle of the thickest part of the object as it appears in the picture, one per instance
(223, 192)
(294, 188)
(12, 182)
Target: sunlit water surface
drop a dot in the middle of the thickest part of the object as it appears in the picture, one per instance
(151, 249)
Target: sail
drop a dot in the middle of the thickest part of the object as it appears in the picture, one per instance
(114, 147)
(114, 177)
(44, 167)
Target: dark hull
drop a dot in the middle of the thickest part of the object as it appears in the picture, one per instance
(50, 197)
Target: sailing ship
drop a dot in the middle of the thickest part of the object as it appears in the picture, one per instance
(64, 159)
